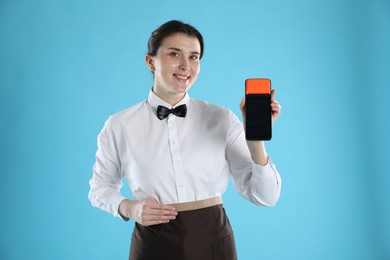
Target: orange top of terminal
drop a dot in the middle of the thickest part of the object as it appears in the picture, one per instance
(258, 86)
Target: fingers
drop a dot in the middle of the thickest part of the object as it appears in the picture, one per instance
(160, 212)
(276, 107)
(242, 104)
(155, 219)
(242, 108)
(273, 92)
(154, 213)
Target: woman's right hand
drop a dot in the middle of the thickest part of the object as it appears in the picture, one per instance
(147, 212)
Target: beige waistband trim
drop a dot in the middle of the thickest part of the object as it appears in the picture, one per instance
(199, 204)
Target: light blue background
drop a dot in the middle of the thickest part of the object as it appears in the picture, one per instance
(65, 66)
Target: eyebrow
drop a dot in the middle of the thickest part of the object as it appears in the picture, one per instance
(177, 49)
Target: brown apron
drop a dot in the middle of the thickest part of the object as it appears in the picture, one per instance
(202, 234)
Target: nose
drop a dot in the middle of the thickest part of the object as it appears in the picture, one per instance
(184, 65)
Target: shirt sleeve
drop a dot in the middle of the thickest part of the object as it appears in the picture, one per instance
(106, 181)
(258, 184)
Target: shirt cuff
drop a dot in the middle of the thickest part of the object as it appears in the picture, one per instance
(262, 168)
(115, 202)
(265, 172)
(265, 184)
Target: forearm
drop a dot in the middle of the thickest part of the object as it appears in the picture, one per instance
(105, 196)
(258, 152)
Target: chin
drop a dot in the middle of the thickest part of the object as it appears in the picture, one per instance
(182, 90)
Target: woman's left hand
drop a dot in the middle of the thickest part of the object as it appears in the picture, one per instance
(275, 107)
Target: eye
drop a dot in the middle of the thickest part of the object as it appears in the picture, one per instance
(194, 57)
(175, 54)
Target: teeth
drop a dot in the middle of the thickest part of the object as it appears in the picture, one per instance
(181, 77)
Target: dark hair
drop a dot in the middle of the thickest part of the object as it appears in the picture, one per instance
(168, 29)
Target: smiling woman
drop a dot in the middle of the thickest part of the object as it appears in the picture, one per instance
(175, 66)
(177, 155)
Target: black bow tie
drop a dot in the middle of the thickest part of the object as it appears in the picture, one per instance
(163, 112)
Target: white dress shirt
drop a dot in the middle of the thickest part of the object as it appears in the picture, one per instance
(177, 159)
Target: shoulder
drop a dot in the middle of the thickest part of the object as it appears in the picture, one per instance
(215, 116)
(126, 115)
(210, 108)
(213, 111)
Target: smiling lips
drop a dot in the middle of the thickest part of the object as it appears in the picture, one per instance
(181, 77)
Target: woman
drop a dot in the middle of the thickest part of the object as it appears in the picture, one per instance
(177, 154)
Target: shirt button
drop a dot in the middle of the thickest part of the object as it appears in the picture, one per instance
(181, 185)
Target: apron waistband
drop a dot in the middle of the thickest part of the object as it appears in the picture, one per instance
(199, 204)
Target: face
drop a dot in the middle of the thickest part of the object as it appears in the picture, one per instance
(176, 66)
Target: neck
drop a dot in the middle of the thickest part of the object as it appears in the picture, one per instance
(171, 99)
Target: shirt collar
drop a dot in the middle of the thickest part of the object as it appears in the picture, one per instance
(155, 101)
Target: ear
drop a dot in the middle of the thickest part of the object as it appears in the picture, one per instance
(150, 62)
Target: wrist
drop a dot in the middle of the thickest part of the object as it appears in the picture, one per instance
(258, 152)
(124, 209)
